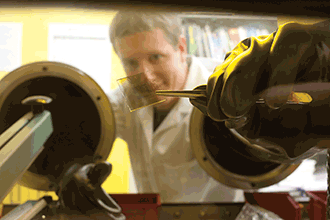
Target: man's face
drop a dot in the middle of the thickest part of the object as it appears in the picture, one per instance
(150, 54)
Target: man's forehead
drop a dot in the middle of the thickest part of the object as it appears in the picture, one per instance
(143, 43)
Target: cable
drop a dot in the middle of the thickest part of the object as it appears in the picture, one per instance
(85, 185)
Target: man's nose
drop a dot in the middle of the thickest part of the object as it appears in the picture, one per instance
(146, 69)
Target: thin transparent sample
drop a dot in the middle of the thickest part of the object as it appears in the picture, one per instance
(138, 92)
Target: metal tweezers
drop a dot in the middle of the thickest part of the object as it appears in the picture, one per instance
(200, 93)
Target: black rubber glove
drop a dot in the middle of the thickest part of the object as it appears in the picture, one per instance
(80, 192)
(293, 55)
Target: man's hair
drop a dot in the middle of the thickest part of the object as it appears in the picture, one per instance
(128, 22)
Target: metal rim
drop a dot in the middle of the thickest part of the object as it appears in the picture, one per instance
(224, 176)
(67, 72)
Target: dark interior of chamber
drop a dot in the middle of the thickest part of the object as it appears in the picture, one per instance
(75, 118)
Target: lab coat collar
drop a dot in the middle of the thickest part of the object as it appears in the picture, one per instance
(146, 118)
(198, 75)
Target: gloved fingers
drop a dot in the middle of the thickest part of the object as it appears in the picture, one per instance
(277, 96)
(296, 128)
(200, 102)
(74, 194)
(73, 198)
(99, 173)
(291, 55)
(291, 51)
(244, 78)
(214, 89)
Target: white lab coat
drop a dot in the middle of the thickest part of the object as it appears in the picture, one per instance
(162, 161)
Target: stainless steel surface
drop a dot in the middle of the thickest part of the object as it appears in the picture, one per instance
(223, 175)
(40, 205)
(19, 211)
(20, 151)
(28, 210)
(10, 132)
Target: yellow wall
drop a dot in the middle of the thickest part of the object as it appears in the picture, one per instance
(34, 48)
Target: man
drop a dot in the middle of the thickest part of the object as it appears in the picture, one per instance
(158, 136)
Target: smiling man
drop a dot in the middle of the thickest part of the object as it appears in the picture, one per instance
(152, 44)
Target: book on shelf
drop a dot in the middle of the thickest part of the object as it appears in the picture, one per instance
(217, 45)
(258, 32)
(264, 32)
(186, 34)
(202, 41)
(234, 37)
(242, 32)
(206, 44)
(199, 41)
(195, 36)
(192, 41)
(201, 32)
(221, 49)
(224, 38)
(211, 42)
(251, 32)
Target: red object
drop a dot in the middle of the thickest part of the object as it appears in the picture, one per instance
(138, 206)
(286, 207)
(317, 207)
(281, 204)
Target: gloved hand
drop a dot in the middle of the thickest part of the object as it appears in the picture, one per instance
(80, 192)
(292, 55)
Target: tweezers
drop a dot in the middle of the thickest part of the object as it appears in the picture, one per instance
(193, 94)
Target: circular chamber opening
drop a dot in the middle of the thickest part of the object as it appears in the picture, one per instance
(230, 153)
(76, 123)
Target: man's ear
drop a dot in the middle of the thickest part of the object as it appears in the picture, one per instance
(183, 47)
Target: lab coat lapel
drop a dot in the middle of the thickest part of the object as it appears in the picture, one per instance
(146, 119)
